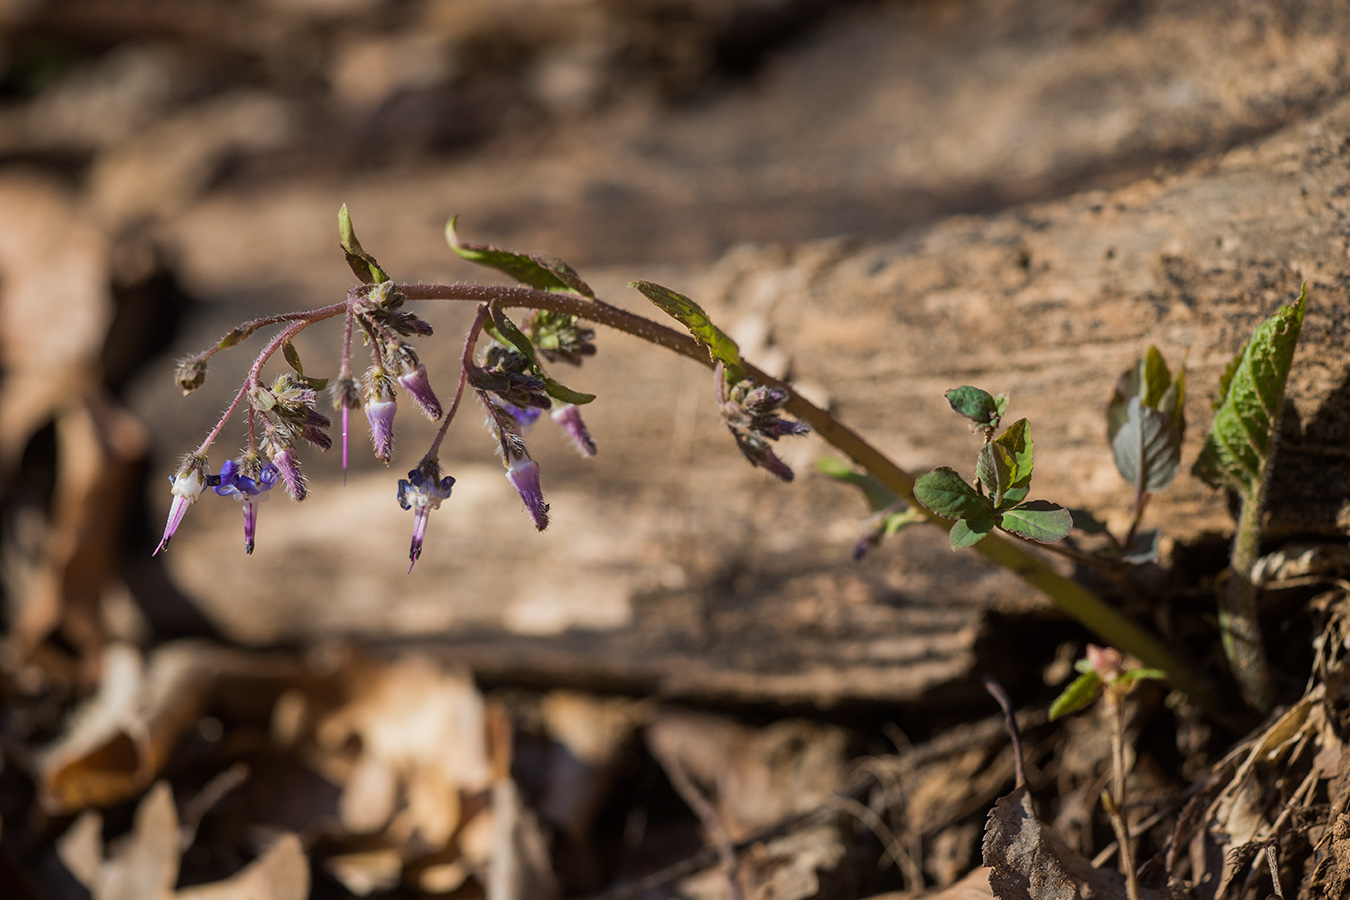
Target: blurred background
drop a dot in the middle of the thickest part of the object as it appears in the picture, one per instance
(170, 168)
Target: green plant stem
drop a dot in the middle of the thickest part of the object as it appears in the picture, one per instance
(1238, 622)
(1096, 615)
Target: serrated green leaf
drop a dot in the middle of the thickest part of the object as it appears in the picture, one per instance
(878, 495)
(1079, 695)
(1146, 447)
(995, 468)
(362, 264)
(949, 495)
(1154, 377)
(537, 270)
(974, 404)
(691, 315)
(1238, 450)
(967, 532)
(1038, 520)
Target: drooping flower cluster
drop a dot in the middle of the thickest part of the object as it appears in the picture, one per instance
(751, 413)
(509, 382)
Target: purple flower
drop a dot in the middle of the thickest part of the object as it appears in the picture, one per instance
(568, 416)
(523, 473)
(422, 491)
(525, 416)
(380, 414)
(248, 489)
(188, 485)
(291, 476)
(415, 382)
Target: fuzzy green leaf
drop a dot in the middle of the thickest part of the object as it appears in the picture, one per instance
(1038, 520)
(362, 263)
(966, 532)
(1017, 441)
(1241, 441)
(691, 315)
(878, 495)
(974, 404)
(1146, 447)
(995, 468)
(292, 357)
(537, 270)
(1080, 694)
(949, 495)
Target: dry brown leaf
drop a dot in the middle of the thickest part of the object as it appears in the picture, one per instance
(144, 864)
(975, 886)
(281, 873)
(1029, 861)
(117, 743)
(758, 776)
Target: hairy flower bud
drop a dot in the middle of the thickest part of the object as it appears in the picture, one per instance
(190, 374)
(380, 414)
(568, 415)
(415, 382)
(524, 476)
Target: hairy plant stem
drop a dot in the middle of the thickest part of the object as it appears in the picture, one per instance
(1114, 800)
(1082, 604)
(1238, 624)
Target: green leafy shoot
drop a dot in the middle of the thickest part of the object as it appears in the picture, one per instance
(505, 331)
(540, 271)
(1101, 669)
(998, 498)
(1241, 441)
(691, 315)
(1145, 423)
(362, 263)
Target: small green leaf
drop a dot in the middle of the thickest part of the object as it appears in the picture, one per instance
(974, 404)
(878, 495)
(566, 394)
(1017, 441)
(1038, 520)
(1146, 447)
(691, 315)
(1238, 450)
(292, 357)
(537, 270)
(949, 495)
(966, 532)
(1133, 675)
(362, 263)
(995, 468)
(1079, 695)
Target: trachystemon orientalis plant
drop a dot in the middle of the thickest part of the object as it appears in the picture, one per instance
(506, 363)
(503, 364)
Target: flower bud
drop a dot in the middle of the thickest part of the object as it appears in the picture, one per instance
(568, 416)
(190, 374)
(415, 382)
(524, 476)
(380, 414)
